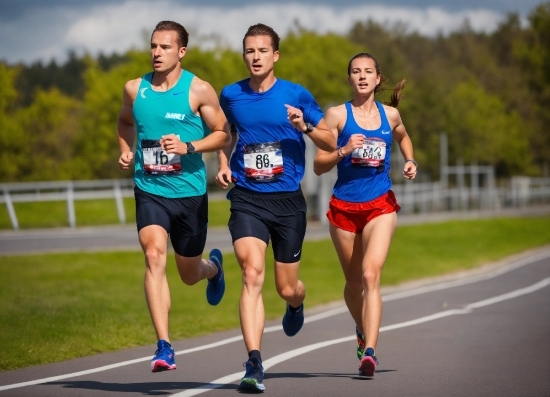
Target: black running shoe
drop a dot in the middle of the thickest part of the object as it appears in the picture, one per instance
(292, 322)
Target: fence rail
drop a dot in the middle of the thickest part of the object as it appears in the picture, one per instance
(413, 196)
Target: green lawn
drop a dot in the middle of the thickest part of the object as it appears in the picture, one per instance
(60, 306)
(89, 213)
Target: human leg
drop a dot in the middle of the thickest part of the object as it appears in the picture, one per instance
(250, 253)
(377, 237)
(153, 240)
(349, 248)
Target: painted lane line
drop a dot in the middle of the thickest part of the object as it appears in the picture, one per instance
(309, 319)
(306, 349)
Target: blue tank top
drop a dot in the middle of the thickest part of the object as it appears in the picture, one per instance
(364, 174)
(161, 113)
(269, 155)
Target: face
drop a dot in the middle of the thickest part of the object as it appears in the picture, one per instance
(166, 53)
(363, 77)
(259, 56)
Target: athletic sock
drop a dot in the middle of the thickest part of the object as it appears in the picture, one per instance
(255, 354)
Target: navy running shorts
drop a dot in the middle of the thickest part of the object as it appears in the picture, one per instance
(280, 217)
(184, 219)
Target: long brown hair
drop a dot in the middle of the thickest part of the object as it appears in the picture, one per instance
(396, 96)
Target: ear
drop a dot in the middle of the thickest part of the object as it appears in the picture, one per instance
(182, 52)
(377, 79)
(275, 56)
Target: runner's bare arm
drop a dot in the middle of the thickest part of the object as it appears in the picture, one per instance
(401, 136)
(125, 125)
(224, 171)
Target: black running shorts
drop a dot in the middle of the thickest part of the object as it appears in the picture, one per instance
(184, 219)
(280, 217)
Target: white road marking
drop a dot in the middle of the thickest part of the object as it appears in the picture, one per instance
(317, 317)
(306, 349)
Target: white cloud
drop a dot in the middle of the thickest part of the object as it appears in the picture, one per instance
(117, 27)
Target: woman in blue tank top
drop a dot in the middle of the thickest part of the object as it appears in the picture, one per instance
(363, 209)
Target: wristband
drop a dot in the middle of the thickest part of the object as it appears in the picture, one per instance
(412, 161)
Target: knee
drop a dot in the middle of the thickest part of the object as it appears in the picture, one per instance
(189, 279)
(252, 277)
(287, 292)
(154, 259)
(371, 279)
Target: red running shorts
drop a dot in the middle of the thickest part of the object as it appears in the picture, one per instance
(353, 217)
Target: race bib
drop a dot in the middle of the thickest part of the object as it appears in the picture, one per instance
(156, 161)
(263, 162)
(372, 154)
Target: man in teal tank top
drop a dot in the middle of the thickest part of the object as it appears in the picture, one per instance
(175, 116)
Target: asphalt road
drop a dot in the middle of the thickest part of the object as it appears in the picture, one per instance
(481, 333)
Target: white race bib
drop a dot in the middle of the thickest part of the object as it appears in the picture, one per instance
(156, 161)
(263, 162)
(372, 154)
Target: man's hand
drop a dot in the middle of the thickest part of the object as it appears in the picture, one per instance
(125, 160)
(296, 118)
(172, 144)
(224, 177)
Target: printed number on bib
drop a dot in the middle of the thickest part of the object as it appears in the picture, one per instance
(372, 154)
(263, 162)
(156, 161)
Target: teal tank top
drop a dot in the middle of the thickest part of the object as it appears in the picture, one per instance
(161, 113)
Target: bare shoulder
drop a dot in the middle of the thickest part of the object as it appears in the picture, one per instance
(200, 87)
(131, 87)
(337, 112)
(392, 113)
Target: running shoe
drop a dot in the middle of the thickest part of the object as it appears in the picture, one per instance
(360, 343)
(368, 363)
(164, 359)
(292, 322)
(216, 284)
(253, 377)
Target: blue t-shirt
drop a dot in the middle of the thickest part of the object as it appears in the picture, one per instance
(158, 113)
(269, 155)
(364, 174)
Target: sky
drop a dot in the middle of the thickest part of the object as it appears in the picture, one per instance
(45, 30)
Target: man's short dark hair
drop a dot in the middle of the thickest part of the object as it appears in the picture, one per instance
(263, 30)
(183, 36)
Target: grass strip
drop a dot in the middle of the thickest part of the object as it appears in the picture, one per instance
(48, 214)
(61, 306)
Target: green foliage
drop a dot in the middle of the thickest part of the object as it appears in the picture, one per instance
(319, 63)
(506, 75)
(480, 128)
(61, 306)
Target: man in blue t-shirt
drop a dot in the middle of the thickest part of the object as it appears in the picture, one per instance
(175, 116)
(271, 117)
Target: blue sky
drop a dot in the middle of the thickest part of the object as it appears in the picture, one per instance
(41, 30)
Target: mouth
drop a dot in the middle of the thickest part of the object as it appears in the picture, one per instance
(256, 67)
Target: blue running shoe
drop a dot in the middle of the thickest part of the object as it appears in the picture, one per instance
(360, 343)
(292, 322)
(253, 378)
(216, 284)
(164, 359)
(368, 363)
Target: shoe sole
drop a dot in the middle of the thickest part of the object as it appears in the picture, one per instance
(161, 366)
(251, 385)
(367, 367)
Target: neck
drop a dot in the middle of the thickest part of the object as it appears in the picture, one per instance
(263, 83)
(166, 80)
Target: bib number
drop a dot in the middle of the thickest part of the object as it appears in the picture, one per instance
(156, 161)
(372, 154)
(263, 162)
